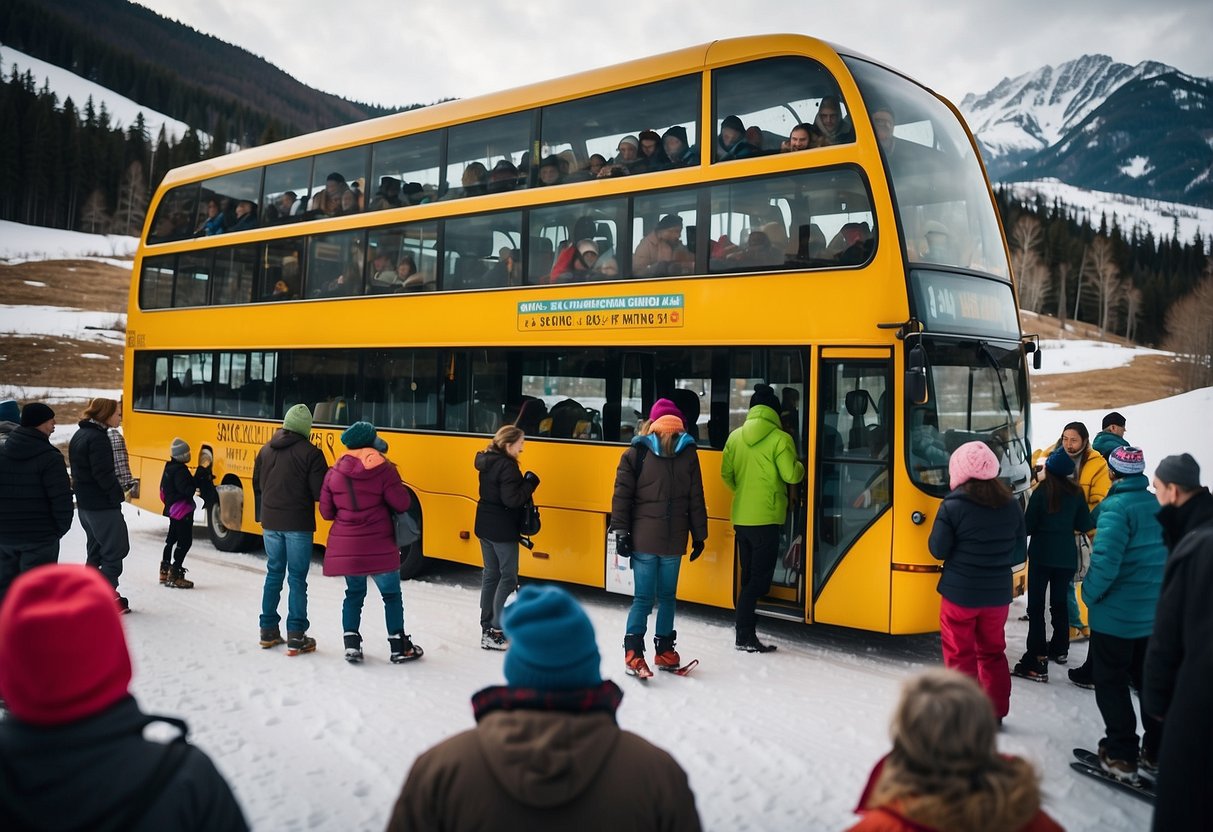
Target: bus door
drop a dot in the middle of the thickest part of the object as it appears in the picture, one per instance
(852, 488)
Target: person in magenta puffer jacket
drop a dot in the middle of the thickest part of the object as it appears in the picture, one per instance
(360, 493)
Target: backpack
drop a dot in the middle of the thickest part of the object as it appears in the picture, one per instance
(529, 523)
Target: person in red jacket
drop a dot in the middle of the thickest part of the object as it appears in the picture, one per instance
(360, 493)
(944, 773)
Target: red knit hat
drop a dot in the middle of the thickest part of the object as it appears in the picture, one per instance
(63, 654)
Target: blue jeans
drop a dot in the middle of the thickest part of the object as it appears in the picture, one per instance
(287, 554)
(355, 594)
(655, 575)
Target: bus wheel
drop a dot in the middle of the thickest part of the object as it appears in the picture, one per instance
(412, 561)
(223, 538)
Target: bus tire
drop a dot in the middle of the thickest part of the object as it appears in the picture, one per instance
(223, 538)
(412, 558)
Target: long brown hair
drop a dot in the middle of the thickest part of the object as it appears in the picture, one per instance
(1057, 488)
(992, 493)
(945, 769)
(100, 410)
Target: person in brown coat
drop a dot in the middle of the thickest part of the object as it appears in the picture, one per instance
(658, 501)
(546, 752)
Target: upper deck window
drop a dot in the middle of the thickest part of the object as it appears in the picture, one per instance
(760, 104)
(939, 189)
(487, 156)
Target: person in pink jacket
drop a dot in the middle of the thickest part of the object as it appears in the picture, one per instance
(360, 494)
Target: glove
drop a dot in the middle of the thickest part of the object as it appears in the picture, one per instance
(532, 478)
(696, 549)
(623, 545)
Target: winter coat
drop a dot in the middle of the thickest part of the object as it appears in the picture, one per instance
(287, 476)
(6, 428)
(1092, 478)
(503, 493)
(1122, 585)
(362, 540)
(94, 476)
(1178, 683)
(758, 464)
(1105, 442)
(93, 773)
(541, 769)
(663, 505)
(177, 485)
(35, 493)
(918, 814)
(1052, 542)
(978, 545)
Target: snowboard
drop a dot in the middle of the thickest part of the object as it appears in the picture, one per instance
(1088, 764)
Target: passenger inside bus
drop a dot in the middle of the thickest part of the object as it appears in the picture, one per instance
(549, 171)
(383, 273)
(678, 152)
(855, 243)
(732, 143)
(938, 246)
(661, 252)
(834, 129)
(505, 271)
(801, 138)
(652, 156)
(388, 195)
(576, 262)
(246, 216)
(503, 177)
(627, 155)
(594, 166)
(328, 202)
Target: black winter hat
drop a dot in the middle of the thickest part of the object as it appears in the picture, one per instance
(1113, 418)
(1181, 470)
(34, 414)
(765, 394)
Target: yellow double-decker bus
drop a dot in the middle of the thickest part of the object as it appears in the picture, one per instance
(760, 210)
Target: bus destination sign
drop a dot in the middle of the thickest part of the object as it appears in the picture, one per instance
(965, 305)
(625, 312)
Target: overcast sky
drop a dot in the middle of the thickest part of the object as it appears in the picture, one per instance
(396, 52)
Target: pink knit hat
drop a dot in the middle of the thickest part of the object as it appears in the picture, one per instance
(664, 407)
(972, 461)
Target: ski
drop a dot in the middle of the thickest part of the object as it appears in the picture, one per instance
(682, 669)
(643, 674)
(1088, 764)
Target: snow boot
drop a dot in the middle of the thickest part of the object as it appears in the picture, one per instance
(299, 642)
(493, 639)
(664, 654)
(165, 568)
(177, 579)
(271, 637)
(633, 657)
(403, 649)
(1082, 676)
(353, 647)
(1032, 667)
(751, 644)
(124, 606)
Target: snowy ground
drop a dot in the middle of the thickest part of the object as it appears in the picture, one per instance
(776, 742)
(20, 243)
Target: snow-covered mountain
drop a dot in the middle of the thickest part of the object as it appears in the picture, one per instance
(1130, 213)
(64, 83)
(1023, 115)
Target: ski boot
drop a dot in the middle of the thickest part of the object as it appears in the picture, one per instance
(353, 647)
(177, 579)
(664, 654)
(493, 639)
(300, 642)
(1034, 668)
(403, 649)
(633, 657)
(271, 637)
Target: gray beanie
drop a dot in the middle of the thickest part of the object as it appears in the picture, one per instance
(1181, 470)
(180, 450)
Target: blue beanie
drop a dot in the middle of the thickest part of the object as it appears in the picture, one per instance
(1059, 462)
(360, 435)
(552, 643)
(9, 412)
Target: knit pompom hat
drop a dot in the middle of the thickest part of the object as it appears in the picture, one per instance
(298, 420)
(63, 654)
(1059, 463)
(972, 461)
(552, 643)
(1127, 461)
(179, 450)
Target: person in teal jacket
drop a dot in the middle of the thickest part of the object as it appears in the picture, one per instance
(1111, 436)
(758, 465)
(1121, 591)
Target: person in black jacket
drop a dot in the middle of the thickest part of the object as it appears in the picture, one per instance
(504, 490)
(979, 534)
(287, 477)
(72, 750)
(35, 496)
(1178, 681)
(177, 487)
(99, 495)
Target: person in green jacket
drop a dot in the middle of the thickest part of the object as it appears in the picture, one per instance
(1111, 436)
(1056, 511)
(1121, 591)
(758, 465)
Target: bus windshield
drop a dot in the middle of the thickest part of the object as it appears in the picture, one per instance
(976, 393)
(939, 189)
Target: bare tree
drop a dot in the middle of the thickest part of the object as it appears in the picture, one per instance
(1190, 336)
(1063, 272)
(1100, 267)
(1030, 272)
(93, 217)
(1132, 297)
(132, 201)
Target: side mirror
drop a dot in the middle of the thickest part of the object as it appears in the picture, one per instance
(1036, 360)
(916, 375)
